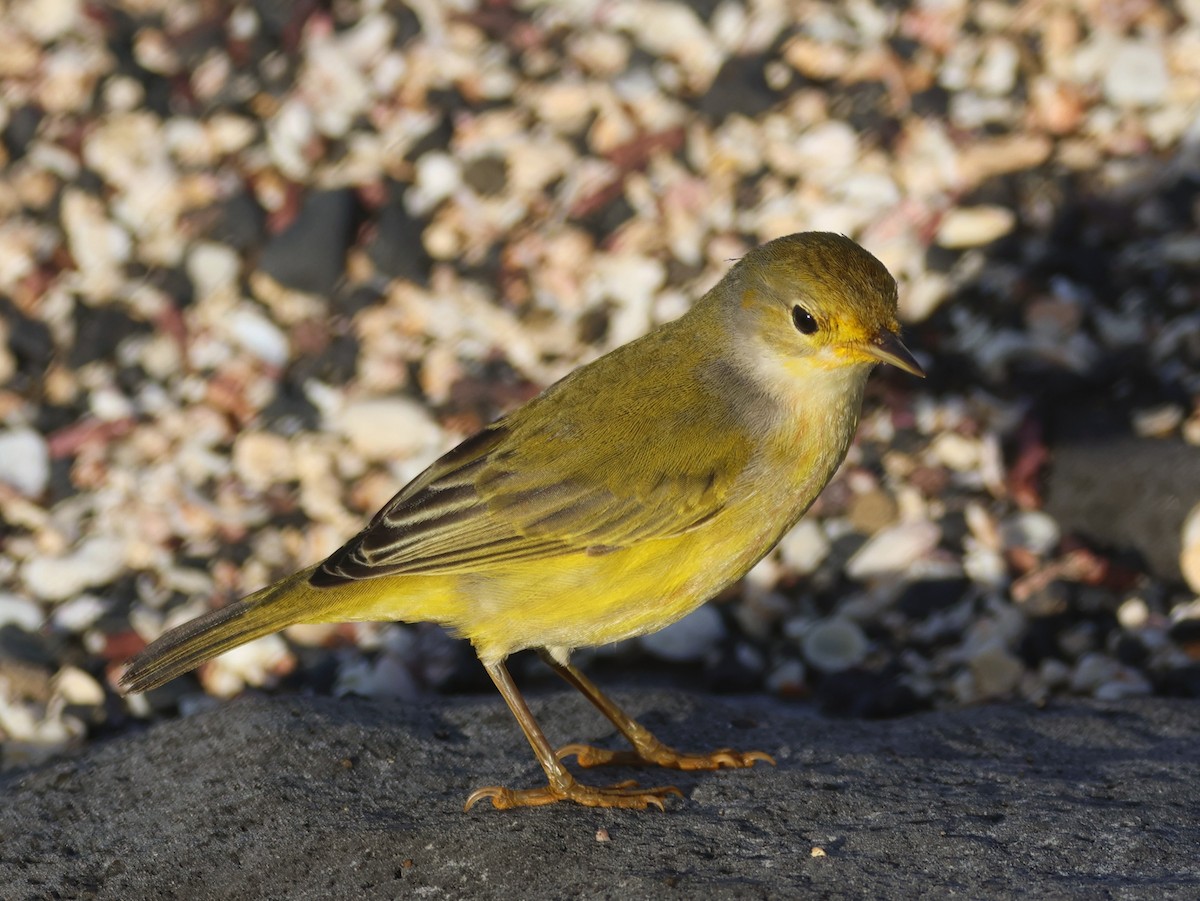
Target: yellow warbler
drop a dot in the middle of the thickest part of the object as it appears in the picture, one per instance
(614, 503)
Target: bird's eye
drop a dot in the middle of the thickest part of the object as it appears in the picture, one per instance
(803, 320)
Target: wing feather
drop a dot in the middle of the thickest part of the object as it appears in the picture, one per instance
(603, 472)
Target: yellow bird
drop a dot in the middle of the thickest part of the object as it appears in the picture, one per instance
(614, 503)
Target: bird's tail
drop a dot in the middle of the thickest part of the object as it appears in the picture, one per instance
(287, 602)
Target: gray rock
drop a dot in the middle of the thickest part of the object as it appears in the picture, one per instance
(1128, 493)
(310, 254)
(397, 249)
(325, 798)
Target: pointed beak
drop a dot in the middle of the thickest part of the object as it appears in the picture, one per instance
(886, 347)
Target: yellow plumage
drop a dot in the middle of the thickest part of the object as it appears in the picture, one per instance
(616, 501)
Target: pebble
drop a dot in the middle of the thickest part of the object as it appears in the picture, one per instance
(995, 673)
(1106, 679)
(262, 459)
(79, 613)
(438, 175)
(787, 679)
(956, 452)
(95, 561)
(20, 612)
(1157, 422)
(997, 72)
(254, 332)
(99, 246)
(689, 639)
(214, 270)
(966, 227)
(1031, 530)
(872, 511)
(24, 461)
(74, 686)
(48, 20)
(804, 547)
(891, 551)
(389, 429)
(33, 735)
(834, 644)
(1189, 555)
(1135, 74)
(310, 254)
(334, 80)
(251, 664)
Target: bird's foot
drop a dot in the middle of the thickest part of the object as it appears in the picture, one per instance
(624, 794)
(658, 754)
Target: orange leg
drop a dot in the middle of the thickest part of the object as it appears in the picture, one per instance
(561, 784)
(647, 750)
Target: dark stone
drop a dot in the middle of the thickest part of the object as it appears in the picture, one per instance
(941, 259)
(841, 549)
(860, 693)
(290, 411)
(1180, 200)
(704, 9)
(29, 340)
(863, 105)
(487, 175)
(52, 417)
(237, 220)
(932, 103)
(61, 484)
(1040, 641)
(352, 298)
(954, 530)
(1186, 631)
(439, 137)
(920, 599)
(165, 699)
(487, 270)
(1183, 682)
(25, 647)
(22, 128)
(176, 284)
(730, 676)
(1126, 492)
(397, 249)
(316, 671)
(335, 365)
(1130, 650)
(281, 16)
(740, 87)
(99, 331)
(593, 324)
(605, 220)
(309, 255)
(406, 23)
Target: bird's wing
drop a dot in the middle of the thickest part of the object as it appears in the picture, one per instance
(554, 479)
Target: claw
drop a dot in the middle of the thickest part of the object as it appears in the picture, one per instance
(624, 795)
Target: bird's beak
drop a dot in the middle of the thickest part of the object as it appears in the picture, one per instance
(886, 347)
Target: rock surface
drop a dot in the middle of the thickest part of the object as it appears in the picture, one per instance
(321, 798)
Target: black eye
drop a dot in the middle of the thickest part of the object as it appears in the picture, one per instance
(803, 320)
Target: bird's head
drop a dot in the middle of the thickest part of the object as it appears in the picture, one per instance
(816, 301)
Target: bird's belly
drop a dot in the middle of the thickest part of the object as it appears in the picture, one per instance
(583, 600)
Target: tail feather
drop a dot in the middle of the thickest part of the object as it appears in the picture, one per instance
(187, 646)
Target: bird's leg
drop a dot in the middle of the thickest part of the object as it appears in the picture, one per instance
(561, 784)
(647, 750)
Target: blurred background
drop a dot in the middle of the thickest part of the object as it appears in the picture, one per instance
(262, 262)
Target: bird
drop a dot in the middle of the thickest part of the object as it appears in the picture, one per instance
(612, 504)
